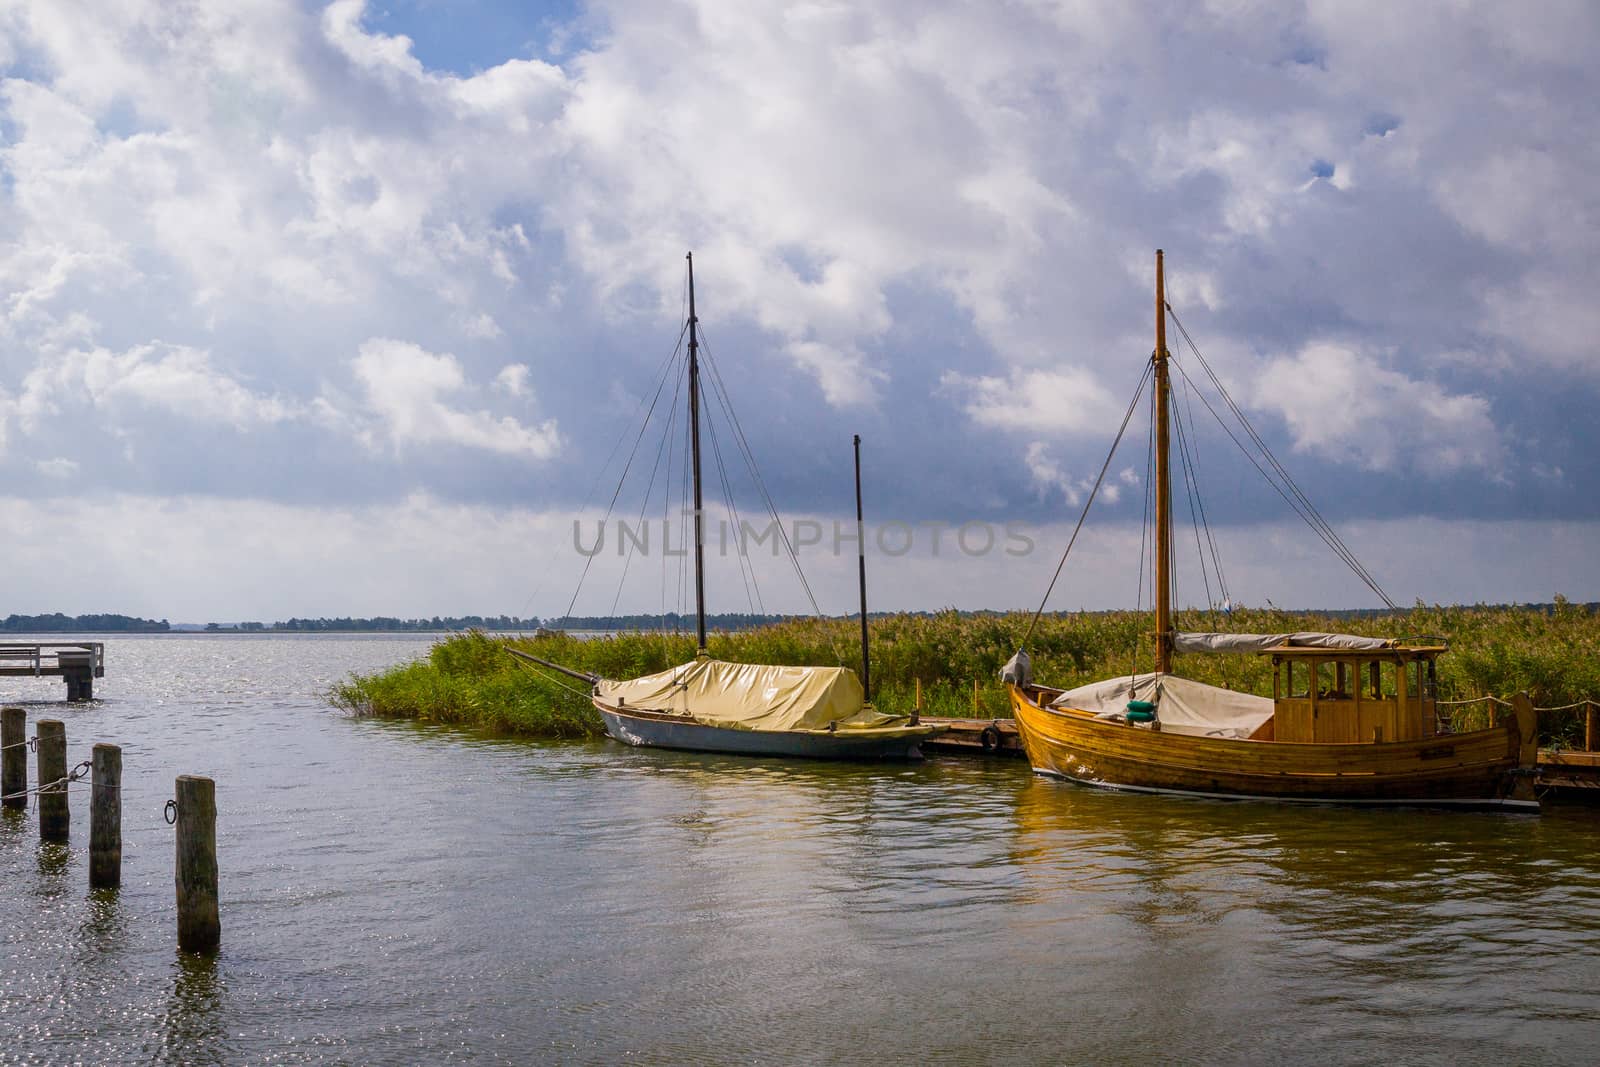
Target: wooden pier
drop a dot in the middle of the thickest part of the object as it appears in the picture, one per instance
(78, 662)
(974, 737)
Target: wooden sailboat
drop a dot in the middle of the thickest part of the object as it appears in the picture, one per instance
(751, 709)
(1351, 719)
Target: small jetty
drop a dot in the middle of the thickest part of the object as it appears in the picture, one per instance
(78, 662)
(974, 737)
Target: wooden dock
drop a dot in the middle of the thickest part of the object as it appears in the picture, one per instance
(78, 662)
(974, 737)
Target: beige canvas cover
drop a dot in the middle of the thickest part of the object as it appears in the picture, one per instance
(1183, 706)
(1202, 642)
(751, 696)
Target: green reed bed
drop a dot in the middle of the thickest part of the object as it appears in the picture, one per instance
(469, 680)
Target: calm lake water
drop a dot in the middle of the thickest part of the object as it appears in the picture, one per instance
(395, 894)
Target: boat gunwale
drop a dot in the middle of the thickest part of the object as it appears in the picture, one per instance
(686, 719)
(1246, 744)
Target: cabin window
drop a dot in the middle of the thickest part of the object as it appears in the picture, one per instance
(1327, 682)
(1386, 680)
(1430, 681)
(1374, 690)
(1299, 679)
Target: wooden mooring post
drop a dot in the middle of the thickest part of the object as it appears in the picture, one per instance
(199, 927)
(55, 818)
(1588, 725)
(14, 757)
(105, 819)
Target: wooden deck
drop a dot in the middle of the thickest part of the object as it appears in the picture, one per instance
(78, 662)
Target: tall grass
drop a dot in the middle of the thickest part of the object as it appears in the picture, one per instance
(467, 679)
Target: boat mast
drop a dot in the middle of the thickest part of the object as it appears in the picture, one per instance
(1163, 483)
(861, 556)
(694, 451)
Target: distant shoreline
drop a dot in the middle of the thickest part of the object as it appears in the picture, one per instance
(730, 622)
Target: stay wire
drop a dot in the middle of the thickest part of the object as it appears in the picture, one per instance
(661, 374)
(1087, 504)
(1310, 513)
(1200, 498)
(649, 490)
(720, 390)
(589, 561)
(1192, 491)
(733, 512)
(1322, 531)
(1145, 532)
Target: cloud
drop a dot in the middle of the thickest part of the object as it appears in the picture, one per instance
(171, 379)
(1348, 406)
(939, 216)
(406, 389)
(1063, 402)
(513, 379)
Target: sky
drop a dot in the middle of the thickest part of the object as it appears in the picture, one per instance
(354, 308)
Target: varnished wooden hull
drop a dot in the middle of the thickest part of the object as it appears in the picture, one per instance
(657, 730)
(1474, 769)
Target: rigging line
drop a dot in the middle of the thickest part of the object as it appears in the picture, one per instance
(1310, 513)
(686, 534)
(1325, 534)
(667, 486)
(1144, 537)
(1332, 538)
(1200, 497)
(666, 365)
(589, 561)
(644, 505)
(1132, 405)
(1192, 490)
(720, 389)
(733, 512)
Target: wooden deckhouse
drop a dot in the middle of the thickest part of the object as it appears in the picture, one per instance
(1338, 696)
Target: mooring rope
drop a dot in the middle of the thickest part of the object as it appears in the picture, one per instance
(32, 742)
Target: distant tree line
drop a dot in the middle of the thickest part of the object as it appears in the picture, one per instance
(382, 623)
(672, 620)
(57, 623)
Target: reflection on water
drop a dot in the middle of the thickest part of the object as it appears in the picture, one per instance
(394, 893)
(193, 1028)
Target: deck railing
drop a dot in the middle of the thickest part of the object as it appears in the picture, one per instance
(53, 656)
(1482, 712)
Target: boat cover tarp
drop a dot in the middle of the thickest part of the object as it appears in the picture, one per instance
(752, 696)
(1199, 642)
(1183, 706)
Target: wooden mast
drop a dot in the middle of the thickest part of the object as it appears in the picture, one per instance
(861, 556)
(1163, 484)
(694, 451)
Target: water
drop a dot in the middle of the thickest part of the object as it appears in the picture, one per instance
(398, 894)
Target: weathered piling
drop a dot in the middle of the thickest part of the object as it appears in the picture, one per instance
(199, 927)
(54, 817)
(105, 819)
(14, 757)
